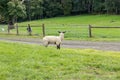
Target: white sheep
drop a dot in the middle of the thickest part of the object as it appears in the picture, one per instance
(54, 39)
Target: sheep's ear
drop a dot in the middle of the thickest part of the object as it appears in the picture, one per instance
(59, 32)
(64, 32)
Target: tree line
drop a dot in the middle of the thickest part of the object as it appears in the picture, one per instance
(12, 10)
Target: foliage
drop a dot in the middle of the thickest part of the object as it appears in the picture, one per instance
(11, 10)
(16, 9)
(37, 9)
(3, 8)
(34, 8)
(51, 8)
(66, 6)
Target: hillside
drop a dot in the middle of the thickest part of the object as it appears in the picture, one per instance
(97, 20)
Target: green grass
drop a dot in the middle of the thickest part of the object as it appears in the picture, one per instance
(34, 62)
(76, 27)
(95, 20)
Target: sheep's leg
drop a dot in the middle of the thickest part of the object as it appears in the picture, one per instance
(58, 46)
(46, 44)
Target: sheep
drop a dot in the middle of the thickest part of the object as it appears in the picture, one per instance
(54, 39)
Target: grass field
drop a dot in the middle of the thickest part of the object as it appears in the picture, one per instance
(76, 27)
(95, 20)
(34, 62)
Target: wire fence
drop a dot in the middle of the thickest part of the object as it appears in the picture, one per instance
(36, 30)
(104, 32)
(72, 30)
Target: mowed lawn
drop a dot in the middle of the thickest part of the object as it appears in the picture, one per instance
(35, 62)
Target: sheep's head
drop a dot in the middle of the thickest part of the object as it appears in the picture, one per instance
(61, 34)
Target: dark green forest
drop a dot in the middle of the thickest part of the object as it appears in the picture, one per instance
(51, 8)
(19, 10)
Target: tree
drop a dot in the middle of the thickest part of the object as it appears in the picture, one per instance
(66, 6)
(112, 6)
(98, 6)
(11, 10)
(76, 6)
(51, 8)
(3, 8)
(36, 9)
(16, 9)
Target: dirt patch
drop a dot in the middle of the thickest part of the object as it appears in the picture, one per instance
(108, 46)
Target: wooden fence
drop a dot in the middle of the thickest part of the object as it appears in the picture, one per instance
(29, 32)
(90, 29)
(73, 30)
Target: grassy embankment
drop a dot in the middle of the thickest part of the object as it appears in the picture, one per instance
(34, 62)
(77, 27)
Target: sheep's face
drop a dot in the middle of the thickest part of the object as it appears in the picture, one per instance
(62, 34)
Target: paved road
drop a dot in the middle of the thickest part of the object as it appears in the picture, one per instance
(108, 46)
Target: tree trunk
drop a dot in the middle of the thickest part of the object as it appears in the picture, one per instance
(116, 11)
(11, 24)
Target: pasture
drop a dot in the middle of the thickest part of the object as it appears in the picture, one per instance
(34, 62)
(76, 27)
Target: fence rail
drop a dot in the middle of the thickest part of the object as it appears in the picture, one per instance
(90, 29)
(17, 29)
(73, 30)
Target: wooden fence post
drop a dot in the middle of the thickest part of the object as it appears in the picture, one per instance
(17, 31)
(43, 29)
(8, 30)
(29, 29)
(90, 31)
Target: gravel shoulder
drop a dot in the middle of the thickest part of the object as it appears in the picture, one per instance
(107, 46)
